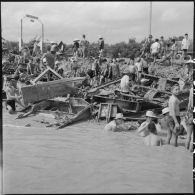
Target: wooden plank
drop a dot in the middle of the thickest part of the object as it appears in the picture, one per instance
(47, 90)
(93, 90)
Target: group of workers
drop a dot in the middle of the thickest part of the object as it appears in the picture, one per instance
(161, 50)
(170, 121)
(81, 47)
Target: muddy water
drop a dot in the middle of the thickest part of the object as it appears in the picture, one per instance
(83, 158)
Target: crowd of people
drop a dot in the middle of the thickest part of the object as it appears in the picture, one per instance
(33, 63)
(160, 50)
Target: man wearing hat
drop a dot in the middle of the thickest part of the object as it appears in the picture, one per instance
(117, 124)
(143, 129)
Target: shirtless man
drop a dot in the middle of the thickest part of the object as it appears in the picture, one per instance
(168, 123)
(174, 109)
(152, 139)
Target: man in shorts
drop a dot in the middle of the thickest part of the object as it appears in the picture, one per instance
(154, 49)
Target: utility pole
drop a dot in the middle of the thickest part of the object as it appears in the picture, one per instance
(150, 18)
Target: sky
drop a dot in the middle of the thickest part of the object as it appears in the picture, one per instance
(115, 21)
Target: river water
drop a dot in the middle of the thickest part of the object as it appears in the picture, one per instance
(83, 158)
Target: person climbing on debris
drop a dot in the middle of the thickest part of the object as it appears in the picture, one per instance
(75, 47)
(143, 129)
(152, 139)
(118, 124)
(189, 122)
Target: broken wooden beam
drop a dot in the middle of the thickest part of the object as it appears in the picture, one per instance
(93, 90)
(48, 70)
(156, 77)
(84, 114)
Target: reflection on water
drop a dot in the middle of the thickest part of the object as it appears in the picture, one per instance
(83, 158)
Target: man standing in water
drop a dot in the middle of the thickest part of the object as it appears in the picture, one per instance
(117, 124)
(174, 110)
(152, 139)
(143, 129)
